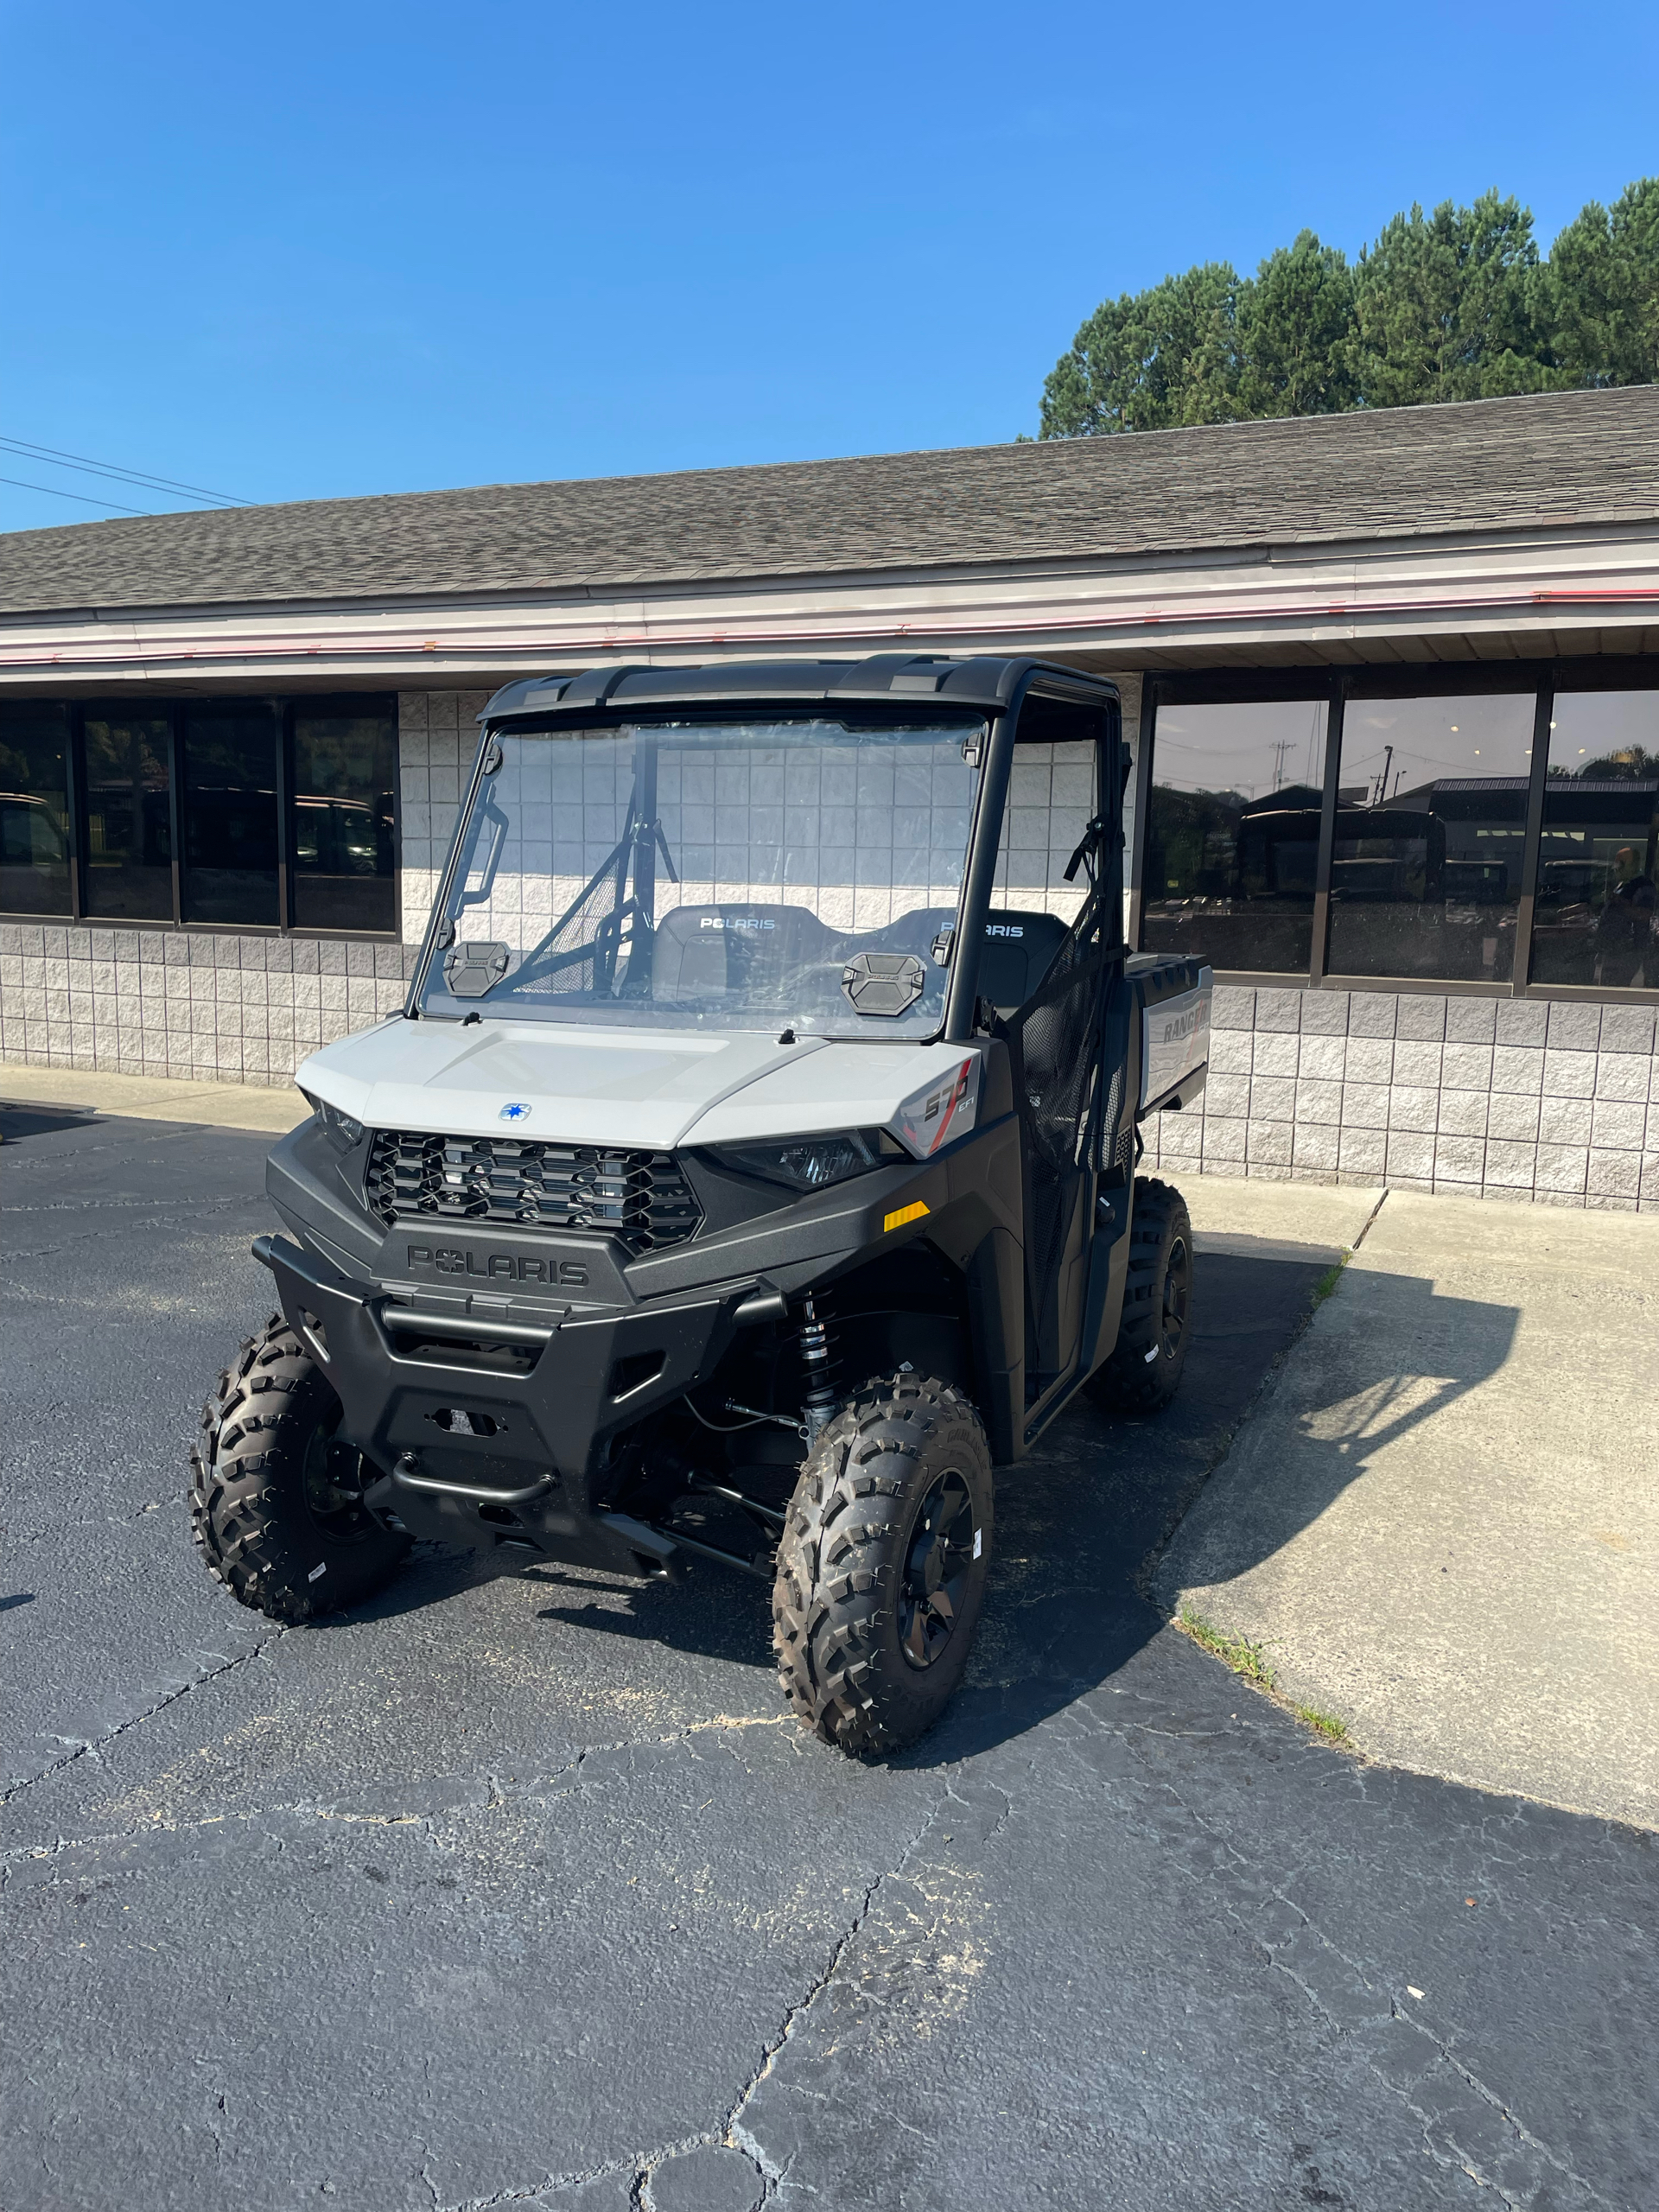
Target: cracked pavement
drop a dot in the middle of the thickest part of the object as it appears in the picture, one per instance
(525, 1891)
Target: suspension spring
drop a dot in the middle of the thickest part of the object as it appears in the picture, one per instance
(818, 1401)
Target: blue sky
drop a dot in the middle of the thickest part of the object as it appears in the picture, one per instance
(306, 251)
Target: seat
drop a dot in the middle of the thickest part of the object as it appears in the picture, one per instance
(706, 952)
(1018, 951)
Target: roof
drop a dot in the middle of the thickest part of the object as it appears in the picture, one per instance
(984, 680)
(1559, 782)
(1554, 458)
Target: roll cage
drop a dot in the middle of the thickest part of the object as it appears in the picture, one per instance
(1018, 701)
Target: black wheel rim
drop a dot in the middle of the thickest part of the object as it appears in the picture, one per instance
(1177, 1291)
(331, 1481)
(937, 1563)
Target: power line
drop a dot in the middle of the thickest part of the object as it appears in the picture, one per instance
(89, 469)
(81, 496)
(140, 477)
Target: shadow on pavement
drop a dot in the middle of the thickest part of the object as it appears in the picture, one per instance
(1406, 1355)
(18, 1122)
(1078, 1522)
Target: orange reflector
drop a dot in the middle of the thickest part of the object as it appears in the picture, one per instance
(904, 1213)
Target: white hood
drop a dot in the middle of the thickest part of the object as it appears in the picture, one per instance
(650, 1088)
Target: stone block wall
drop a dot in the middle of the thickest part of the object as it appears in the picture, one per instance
(1493, 1098)
(437, 741)
(212, 1006)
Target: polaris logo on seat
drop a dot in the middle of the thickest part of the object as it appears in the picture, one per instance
(736, 922)
(1004, 929)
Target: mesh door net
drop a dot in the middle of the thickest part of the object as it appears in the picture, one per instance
(1055, 1040)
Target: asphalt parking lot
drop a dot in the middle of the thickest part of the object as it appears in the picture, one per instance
(526, 1890)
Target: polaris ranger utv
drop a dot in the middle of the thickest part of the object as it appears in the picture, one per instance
(750, 1171)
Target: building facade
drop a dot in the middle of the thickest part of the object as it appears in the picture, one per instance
(1390, 684)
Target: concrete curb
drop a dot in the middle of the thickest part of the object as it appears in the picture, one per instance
(152, 1098)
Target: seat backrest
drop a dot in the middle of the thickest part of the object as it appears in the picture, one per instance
(702, 952)
(1018, 952)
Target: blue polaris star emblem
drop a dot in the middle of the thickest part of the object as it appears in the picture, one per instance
(516, 1112)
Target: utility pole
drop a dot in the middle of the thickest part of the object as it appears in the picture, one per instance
(1382, 791)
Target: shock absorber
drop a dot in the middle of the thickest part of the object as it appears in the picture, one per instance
(818, 1400)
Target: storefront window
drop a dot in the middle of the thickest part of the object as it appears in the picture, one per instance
(343, 860)
(230, 812)
(337, 835)
(1595, 919)
(1233, 833)
(129, 872)
(1431, 828)
(33, 809)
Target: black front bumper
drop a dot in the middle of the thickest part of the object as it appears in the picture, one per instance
(496, 1433)
(492, 1373)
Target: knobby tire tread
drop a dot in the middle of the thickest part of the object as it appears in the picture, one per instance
(1124, 1382)
(255, 1429)
(836, 1567)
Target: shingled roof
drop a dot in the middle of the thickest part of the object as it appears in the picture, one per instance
(1493, 465)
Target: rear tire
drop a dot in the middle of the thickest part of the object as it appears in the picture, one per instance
(882, 1563)
(275, 1504)
(1144, 1368)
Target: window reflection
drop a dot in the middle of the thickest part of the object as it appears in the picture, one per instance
(33, 809)
(343, 860)
(230, 812)
(1595, 917)
(1233, 833)
(129, 871)
(1431, 828)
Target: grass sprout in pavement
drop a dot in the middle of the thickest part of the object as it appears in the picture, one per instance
(1250, 1659)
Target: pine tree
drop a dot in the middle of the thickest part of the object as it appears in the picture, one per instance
(1442, 309)
(1295, 323)
(1598, 296)
(1152, 360)
(1453, 305)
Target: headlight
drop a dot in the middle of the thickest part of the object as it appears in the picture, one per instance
(810, 1163)
(341, 1131)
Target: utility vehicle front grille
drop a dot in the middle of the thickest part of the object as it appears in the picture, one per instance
(639, 1198)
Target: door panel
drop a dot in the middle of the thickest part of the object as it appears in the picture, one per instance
(1055, 1040)
(1054, 939)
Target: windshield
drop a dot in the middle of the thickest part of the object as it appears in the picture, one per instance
(790, 873)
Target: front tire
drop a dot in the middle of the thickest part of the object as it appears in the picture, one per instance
(882, 1564)
(1143, 1371)
(275, 1503)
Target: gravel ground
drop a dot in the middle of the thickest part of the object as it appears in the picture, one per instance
(525, 1891)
